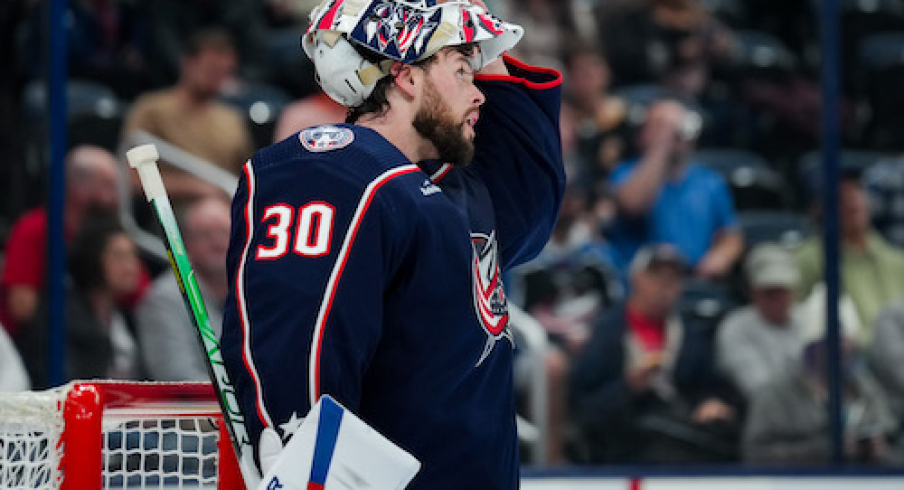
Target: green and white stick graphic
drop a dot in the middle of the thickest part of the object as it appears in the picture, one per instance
(144, 160)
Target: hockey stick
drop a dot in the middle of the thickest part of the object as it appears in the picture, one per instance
(144, 160)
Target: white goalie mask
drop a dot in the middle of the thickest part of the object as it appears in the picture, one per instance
(395, 30)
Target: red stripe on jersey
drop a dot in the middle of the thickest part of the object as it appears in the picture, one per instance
(442, 172)
(314, 486)
(555, 82)
(242, 304)
(339, 266)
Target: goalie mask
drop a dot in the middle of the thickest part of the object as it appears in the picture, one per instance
(395, 30)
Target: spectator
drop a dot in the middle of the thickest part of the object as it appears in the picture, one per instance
(644, 390)
(189, 116)
(90, 187)
(13, 376)
(692, 76)
(600, 120)
(168, 339)
(571, 281)
(642, 37)
(761, 342)
(103, 265)
(872, 271)
(886, 354)
(788, 420)
(563, 289)
(664, 197)
(312, 110)
(107, 41)
(174, 21)
(884, 181)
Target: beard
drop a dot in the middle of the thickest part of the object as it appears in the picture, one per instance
(435, 122)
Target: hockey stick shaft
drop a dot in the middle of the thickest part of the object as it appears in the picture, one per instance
(144, 160)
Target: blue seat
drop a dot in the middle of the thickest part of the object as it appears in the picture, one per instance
(880, 77)
(881, 51)
(82, 98)
(762, 55)
(810, 167)
(260, 104)
(753, 183)
(732, 12)
(706, 301)
(786, 228)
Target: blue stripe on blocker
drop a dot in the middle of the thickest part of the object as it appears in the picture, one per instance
(327, 433)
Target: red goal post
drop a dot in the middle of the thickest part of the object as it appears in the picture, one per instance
(89, 435)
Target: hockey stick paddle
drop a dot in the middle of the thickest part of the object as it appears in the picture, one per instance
(144, 160)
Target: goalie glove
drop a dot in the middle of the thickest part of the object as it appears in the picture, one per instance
(269, 448)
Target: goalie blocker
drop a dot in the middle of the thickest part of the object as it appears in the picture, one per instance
(333, 449)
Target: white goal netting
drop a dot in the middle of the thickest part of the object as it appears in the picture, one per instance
(31, 425)
(160, 453)
(160, 441)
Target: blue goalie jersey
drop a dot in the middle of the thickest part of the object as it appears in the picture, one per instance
(357, 273)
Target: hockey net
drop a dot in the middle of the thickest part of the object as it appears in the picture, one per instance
(92, 435)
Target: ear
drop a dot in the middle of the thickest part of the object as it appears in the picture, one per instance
(408, 79)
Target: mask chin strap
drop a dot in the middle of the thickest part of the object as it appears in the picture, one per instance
(371, 73)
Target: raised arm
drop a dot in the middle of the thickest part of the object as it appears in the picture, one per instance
(518, 155)
(637, 193)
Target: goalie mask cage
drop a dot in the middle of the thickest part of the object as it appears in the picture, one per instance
(105, 434)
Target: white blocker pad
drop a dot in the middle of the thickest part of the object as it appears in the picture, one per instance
(333, 449)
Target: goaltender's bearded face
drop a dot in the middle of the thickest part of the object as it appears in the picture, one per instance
(450, 107)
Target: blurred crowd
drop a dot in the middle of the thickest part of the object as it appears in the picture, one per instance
(681, 294)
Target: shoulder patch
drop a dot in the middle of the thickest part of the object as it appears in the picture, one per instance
(326, 138)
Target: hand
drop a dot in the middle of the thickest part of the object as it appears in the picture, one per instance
(663, 125)
(639, 378)
(712, 410)
(576, 338)
(269, 448)
(712, 266)
(497, 66)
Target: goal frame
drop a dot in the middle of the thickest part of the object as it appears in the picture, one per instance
(85, 404)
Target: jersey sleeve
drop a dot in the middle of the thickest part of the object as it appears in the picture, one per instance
(518, 156)
(309, 260)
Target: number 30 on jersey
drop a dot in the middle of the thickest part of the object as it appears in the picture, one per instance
(312, 231)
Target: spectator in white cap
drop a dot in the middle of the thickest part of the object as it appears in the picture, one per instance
(759, 342)
(762, 340)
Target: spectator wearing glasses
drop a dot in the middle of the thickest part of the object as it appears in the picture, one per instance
(169, 343)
